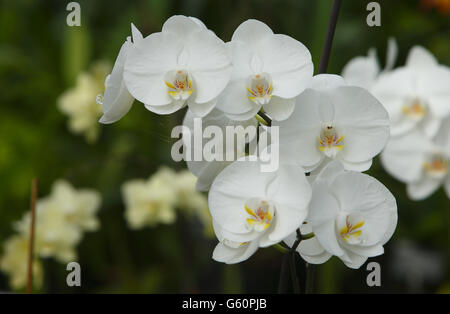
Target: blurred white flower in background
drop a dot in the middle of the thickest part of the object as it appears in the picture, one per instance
(79, 206)
(79, 102)
(54, 235)
(416, 95)
(158, 199)
(192, 202)
(417, 98)
(421, 163)
(61, 219)
(363, 71)
(14, 262)
(150, 202)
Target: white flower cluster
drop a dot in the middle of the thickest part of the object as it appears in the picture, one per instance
(61, 219)
(417, 97)
(188, 65)
(156, 200)
(327, 127)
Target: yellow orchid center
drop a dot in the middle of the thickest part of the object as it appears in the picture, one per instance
(259, 88)
(351, 228)
(179, 85)
(260, 213)
(415, 109)
(436, 166)
(330, 143)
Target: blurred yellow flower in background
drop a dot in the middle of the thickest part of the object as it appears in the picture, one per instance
(150, 202)
(156, 200)
(54, 235)
(193, 202)
(78, 206)
(14, 262)
(61, 219)
(79, 102)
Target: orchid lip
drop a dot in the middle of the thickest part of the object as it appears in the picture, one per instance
(260, 214)
(330, 143)
(350, 227)
(260, 88)
(415, 109)
(179, 84)
(436, 166)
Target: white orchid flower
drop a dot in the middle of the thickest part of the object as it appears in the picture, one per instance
(335, 121)
(232, 252)
(351, 214)
(363, 71)
(269, 70)
(253, 209)
(415, 95)
(183, 64)
(419, 162)
(206, 171)
(117, 101)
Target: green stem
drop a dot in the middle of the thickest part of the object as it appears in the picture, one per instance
(307, 236)
(309, 285)
(280, 248)
(282, 283)
(292, 253)
(295, 282)
(263, 118)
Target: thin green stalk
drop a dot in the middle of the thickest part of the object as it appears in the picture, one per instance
(263, 118)
(34, 195)
(309, 285)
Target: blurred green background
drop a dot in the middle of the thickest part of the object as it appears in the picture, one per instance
(41, 57)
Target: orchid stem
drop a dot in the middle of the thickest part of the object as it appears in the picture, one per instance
(329, 37)
(263, 118)
(34, 193)
(280, 248)
(294, 277)
(282, 284)
(309, 285)
(307, 236)
(292, 253)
